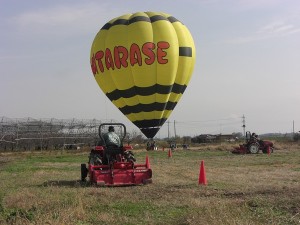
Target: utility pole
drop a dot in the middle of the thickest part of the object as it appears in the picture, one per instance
(293, 128)
(168, 130)
(174, 130)
(293, 136)
(244, 125)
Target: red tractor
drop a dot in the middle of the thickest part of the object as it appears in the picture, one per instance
(113, 165)
(151, 145)
(253, 145)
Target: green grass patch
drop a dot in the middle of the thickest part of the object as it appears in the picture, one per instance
(242, 189)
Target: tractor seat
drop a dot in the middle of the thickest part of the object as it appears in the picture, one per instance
(114, 149)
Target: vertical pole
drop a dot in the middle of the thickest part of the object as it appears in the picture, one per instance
(244, 126)
(293, 138)
(293, 127)
(17, 145)
(168, 130)
(174, 129)
(41, 134)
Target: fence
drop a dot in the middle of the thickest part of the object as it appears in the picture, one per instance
(38, 134)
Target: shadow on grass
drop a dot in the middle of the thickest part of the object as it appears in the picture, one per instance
(66, 183)
(80, 184)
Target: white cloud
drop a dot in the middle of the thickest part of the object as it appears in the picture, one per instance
(65, 19)
(273, 30)
(277, 29)
(256, 4)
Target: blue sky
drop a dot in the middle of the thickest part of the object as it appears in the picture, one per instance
(247, 62)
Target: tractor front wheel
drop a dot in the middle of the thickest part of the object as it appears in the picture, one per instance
(253, 148)
(129, 156)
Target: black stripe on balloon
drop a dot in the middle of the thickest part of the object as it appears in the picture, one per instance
(147, 124)
(172, 19)
(185, 51)
(152, 19)
(138, 19)
(150, 132)
(106, 26)
(157, 18)
(120, 22)
(156, 106)
(145, 91)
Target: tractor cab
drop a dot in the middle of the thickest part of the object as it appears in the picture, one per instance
(112, 136)
(248, 136)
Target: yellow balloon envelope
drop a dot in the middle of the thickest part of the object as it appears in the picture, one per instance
(143, 63)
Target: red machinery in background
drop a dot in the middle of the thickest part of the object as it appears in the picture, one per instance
(115, 166)
(253, 145)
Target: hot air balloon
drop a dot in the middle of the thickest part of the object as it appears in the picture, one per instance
(143, 63)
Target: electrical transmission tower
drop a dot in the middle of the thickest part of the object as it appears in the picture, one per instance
(244, 125)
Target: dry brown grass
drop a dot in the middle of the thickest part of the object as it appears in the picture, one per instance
(43, 188)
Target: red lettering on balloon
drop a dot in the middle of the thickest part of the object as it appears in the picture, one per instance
(161, 46)
(120, 56)
(147, 50)
(98, 56)
(93, 65)
(109, 62)
(135, 55)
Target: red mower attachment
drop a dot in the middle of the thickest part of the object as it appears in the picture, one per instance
(115, 166)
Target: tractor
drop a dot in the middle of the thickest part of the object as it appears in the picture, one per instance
(151, 145)
(110, 165)
(253, 145)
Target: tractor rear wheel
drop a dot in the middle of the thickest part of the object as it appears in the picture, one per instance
(84, 172)
(253, 148)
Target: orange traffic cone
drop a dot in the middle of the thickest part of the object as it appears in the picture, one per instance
(147, 162)
(170, 153)
(202, 175)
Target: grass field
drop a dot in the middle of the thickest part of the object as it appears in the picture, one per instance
(44, 188)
